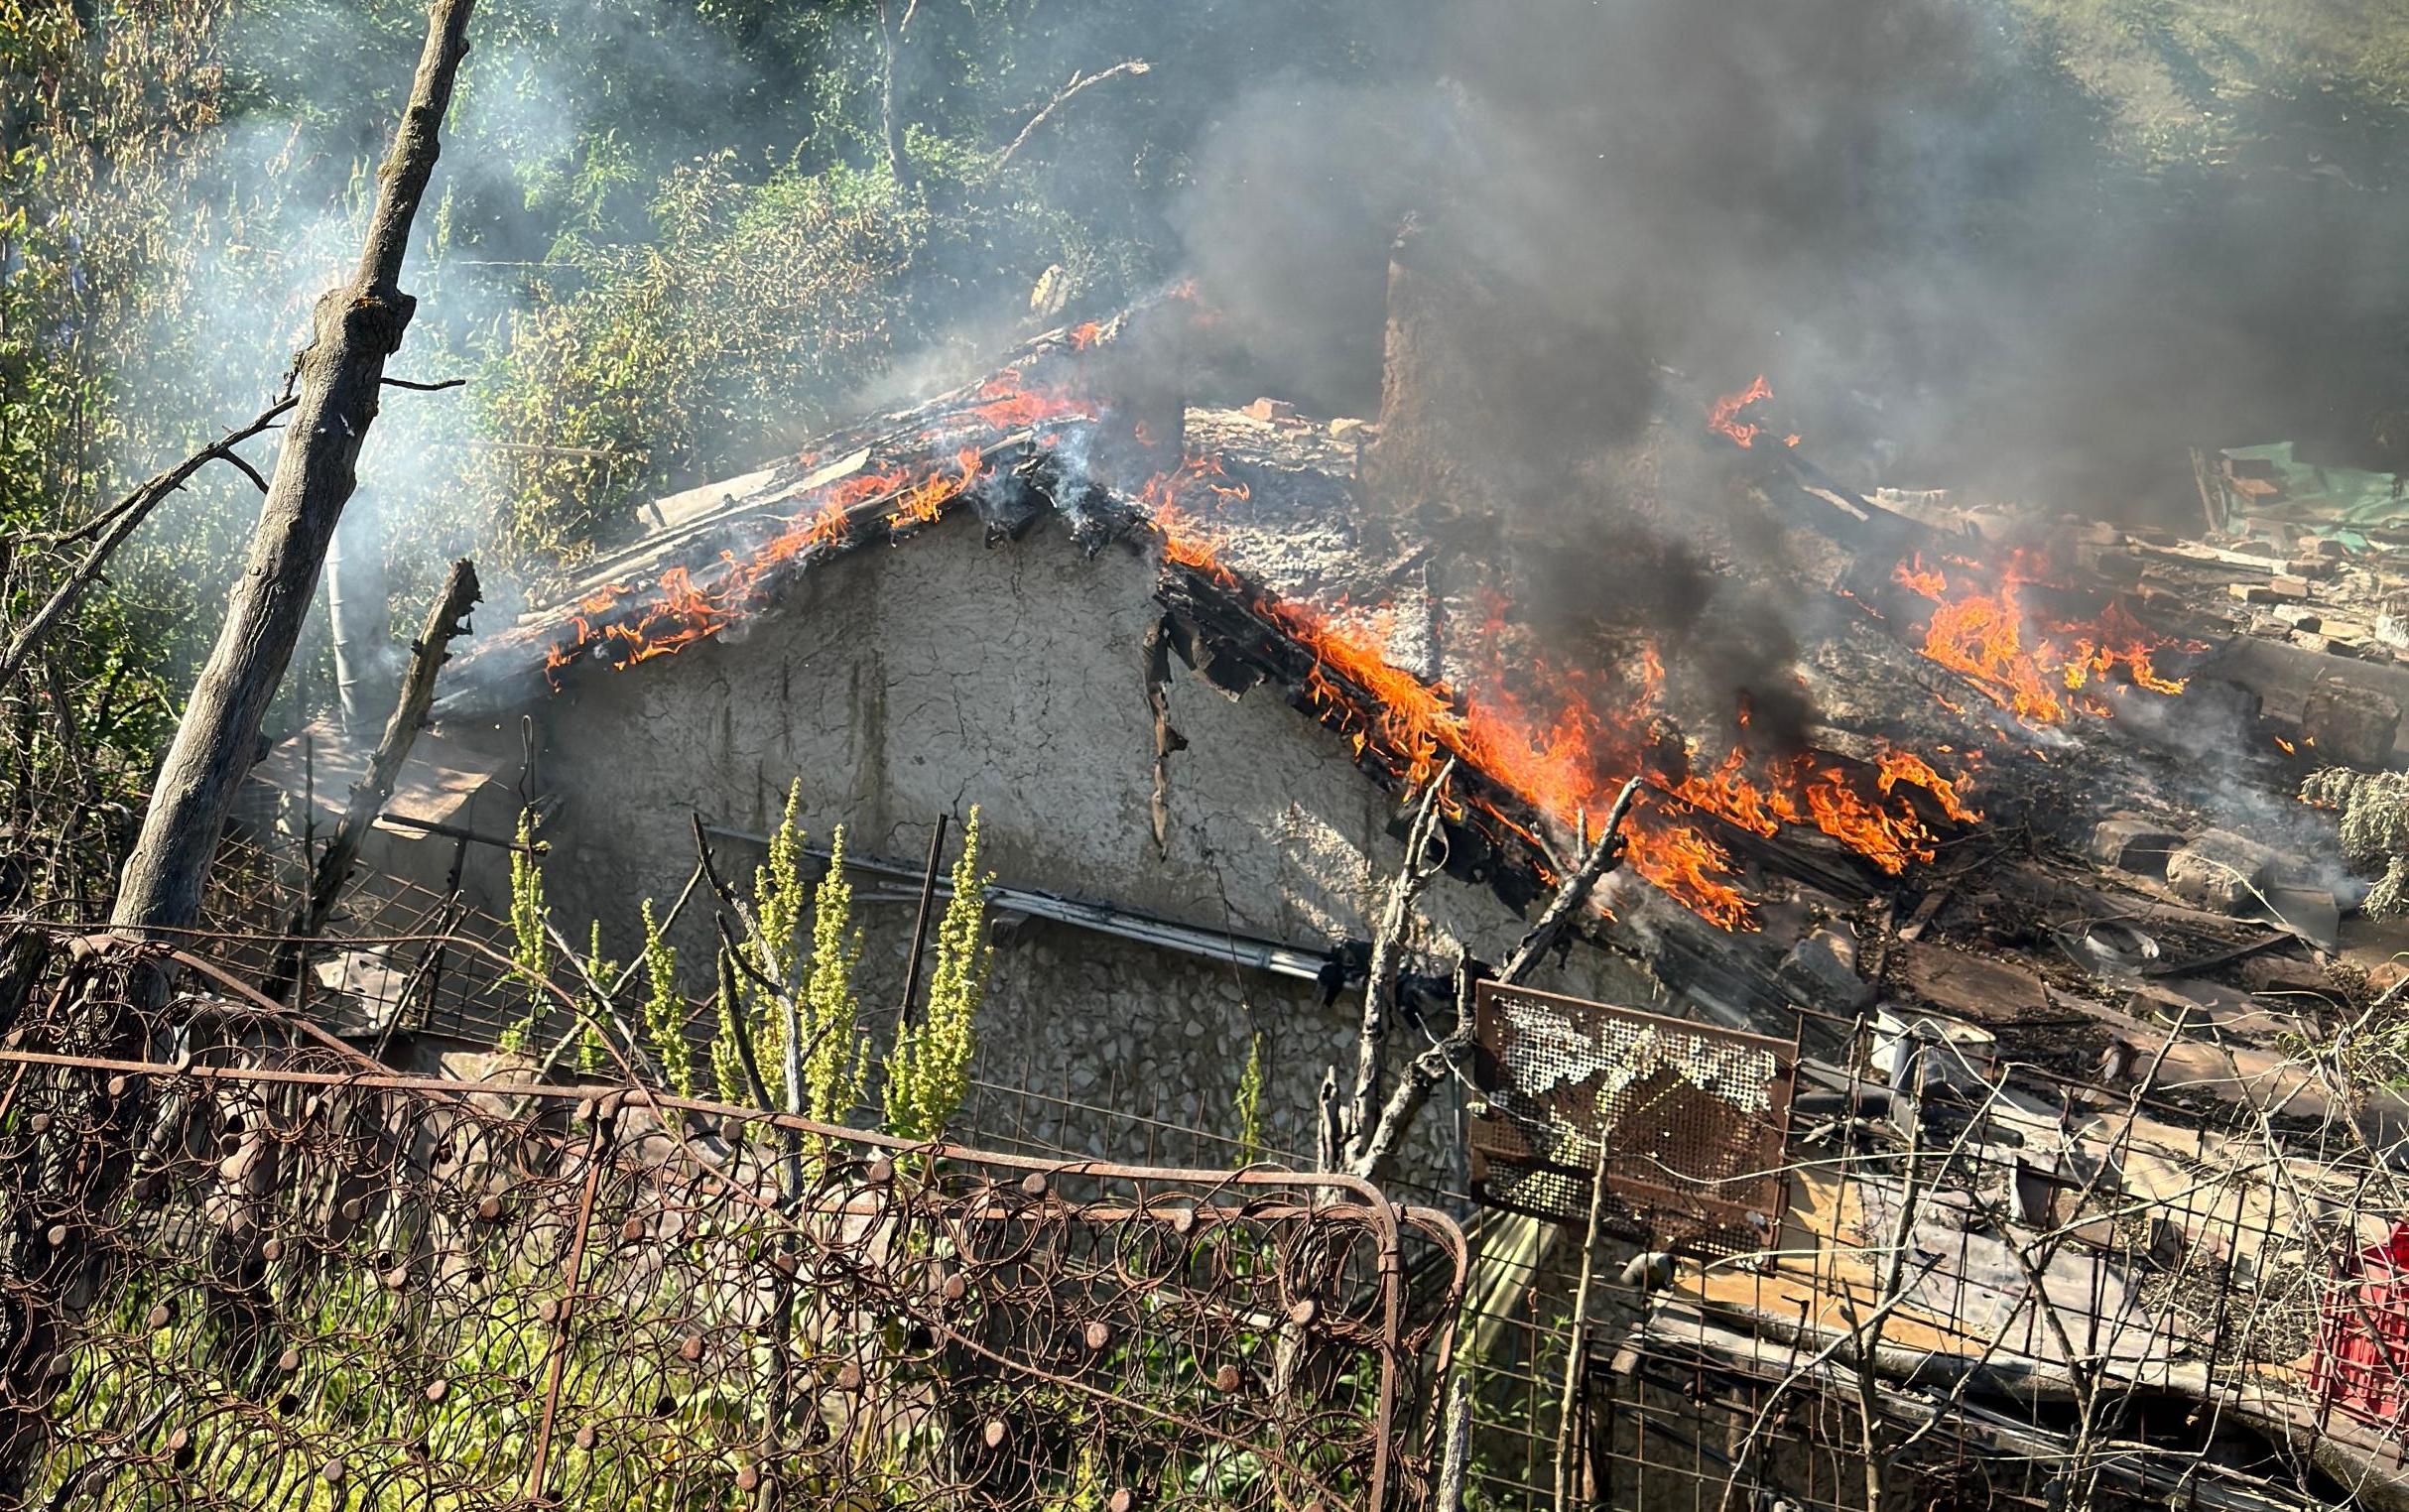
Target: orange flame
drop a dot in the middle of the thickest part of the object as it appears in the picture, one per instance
(1723, 418)
(2040, 670)
(1568, 753)
(676, 610)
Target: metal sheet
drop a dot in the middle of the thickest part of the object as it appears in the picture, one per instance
(1692, 1115)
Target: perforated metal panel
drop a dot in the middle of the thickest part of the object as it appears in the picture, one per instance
(1692, 1116)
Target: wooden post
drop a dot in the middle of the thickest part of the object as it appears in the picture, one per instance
(1578, 1350)
(1457, 1447)
(920, 924)
(357, 327)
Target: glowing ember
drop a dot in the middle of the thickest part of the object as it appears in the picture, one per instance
(1723, 418)
(2039, 670)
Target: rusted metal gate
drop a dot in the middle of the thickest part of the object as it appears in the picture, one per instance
(243, 1270)
(1692, 1119)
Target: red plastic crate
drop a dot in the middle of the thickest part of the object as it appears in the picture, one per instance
(2362, 1361)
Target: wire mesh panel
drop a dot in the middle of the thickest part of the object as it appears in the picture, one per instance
(1690, 1119)
(242, 1268)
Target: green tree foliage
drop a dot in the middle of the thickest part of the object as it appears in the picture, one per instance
(96, 101)
(929, 1071)
(685, 355)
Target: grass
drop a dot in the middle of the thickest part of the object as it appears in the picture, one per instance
(430, 1395)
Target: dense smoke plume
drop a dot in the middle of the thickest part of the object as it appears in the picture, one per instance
(1902, 211)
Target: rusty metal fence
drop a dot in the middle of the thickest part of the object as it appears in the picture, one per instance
(246, 1269)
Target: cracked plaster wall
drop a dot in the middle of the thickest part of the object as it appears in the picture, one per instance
(904, 683)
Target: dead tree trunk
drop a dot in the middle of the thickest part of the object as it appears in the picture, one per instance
(355, 329)
(384, 768)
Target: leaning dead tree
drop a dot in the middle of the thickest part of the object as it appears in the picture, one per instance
(356, 326)
(367, 801)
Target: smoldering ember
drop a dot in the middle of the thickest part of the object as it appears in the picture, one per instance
(1102, 756)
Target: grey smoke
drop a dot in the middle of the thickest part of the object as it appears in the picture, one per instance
(1901, 199)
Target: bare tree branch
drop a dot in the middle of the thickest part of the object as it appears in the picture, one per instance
(1132, 68)
(1575, 893)
(122, 521)
(1435, 1065)
(1414, 876)
(427, 656)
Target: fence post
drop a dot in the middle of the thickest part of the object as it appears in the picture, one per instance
(565, 1306)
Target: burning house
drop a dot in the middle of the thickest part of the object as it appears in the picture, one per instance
(995, 599)
(1958, 1054)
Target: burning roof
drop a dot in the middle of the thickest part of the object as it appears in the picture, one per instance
(1265, 580)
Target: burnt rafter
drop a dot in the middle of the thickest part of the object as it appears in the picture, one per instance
(1219, 634)
(1492, 836)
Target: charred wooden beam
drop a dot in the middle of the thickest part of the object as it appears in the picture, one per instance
(1218, 630)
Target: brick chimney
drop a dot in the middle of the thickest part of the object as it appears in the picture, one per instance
(1424, 472)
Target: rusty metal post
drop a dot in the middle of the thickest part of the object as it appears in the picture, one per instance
(567, 1306)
